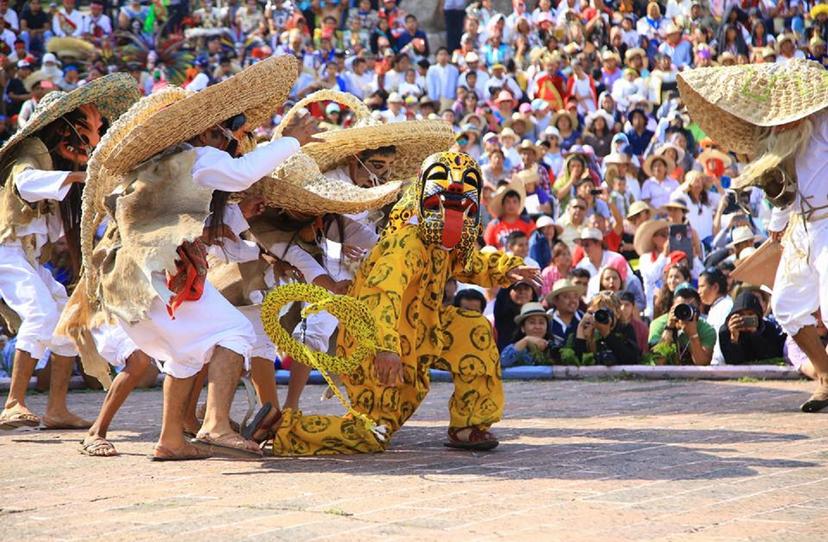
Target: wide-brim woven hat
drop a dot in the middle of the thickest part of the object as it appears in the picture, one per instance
(70, 47)
(563, 286)
(299, 186)
(733, 104)
(496, 203)
(414, 140)
(257, 91)
(648, 163)
(112, 95)
(714, 154)
(643, 240)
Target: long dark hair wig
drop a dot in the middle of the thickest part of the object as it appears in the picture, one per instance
(70, 207)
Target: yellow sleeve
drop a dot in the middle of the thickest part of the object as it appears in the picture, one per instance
(397, 261)
(487, 270)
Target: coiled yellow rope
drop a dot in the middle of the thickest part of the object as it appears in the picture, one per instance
(353, 315)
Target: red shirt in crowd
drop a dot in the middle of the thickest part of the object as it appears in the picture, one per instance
(498, 230)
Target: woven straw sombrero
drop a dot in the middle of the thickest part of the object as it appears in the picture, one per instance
(256, 91)
(299, 185)
(733, 104)
(643, 241)
(414, 140)
(111, 94)
(167, 118)
(70, 47)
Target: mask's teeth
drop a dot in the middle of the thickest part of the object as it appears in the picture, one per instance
(442, 200)
(466, 212)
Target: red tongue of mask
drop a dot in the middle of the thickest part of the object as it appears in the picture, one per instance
(452, 227)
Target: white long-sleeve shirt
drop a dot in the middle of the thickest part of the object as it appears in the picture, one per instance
(216, 169)
(235, 250)
(36, 185)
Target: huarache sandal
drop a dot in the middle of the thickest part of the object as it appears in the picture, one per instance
(817, 401)
(193, 453)
(232, 445)
(14, 420)
(477, 440)
(98, 447)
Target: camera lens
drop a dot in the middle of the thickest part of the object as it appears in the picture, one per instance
(602, 316)
(684, 312)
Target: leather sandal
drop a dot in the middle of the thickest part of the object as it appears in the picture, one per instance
(479, 440)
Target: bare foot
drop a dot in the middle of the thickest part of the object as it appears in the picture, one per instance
(185, 452)
(97, 446)
(65, 420)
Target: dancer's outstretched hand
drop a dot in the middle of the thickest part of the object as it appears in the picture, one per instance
(524, 272)
(388, 368)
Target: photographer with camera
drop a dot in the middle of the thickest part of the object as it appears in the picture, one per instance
(679, 337)
(747, 336)
(602, 334)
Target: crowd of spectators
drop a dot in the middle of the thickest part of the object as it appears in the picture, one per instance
(593, 170)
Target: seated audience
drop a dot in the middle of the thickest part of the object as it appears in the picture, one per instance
(507, 307)
(713, 292)
(631, 315)
(564, 301)
(532, 344)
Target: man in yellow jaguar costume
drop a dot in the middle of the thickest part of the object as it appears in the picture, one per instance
(431, 236)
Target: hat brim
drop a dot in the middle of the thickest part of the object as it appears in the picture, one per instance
(496, 203)
(257, 91)
(413, 140)
(643, 240)
(648, 164)
(112, 94)
(521, 317)
(299, 186)
(550, 297)
(733, 103)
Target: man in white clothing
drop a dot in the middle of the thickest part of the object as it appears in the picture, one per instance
(441, 80)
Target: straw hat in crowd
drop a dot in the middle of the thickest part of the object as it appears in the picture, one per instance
(573, 118)
(643, 240)
(530, 309)
(563, 286)
(648, 163)
(677, 203)
(733, 104)
(638, 207)
(741, 234)
(496, 203)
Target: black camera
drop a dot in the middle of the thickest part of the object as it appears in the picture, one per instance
(685, 312)
(603, 316)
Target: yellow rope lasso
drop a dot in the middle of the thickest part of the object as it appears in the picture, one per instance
(353, 315)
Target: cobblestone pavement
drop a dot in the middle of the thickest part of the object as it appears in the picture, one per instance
(626, 460)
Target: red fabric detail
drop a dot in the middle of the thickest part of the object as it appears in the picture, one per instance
(674, 258)
(187, 284)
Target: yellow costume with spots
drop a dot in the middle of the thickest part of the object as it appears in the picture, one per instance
(402, 283)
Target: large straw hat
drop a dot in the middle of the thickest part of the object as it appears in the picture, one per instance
(299, 185)
(111, 94)
(70, 47)
(496, 204)
(732, 104)
(414, 140)
(819, 9)
(648, 164)
(257, 91)
(714, 154)
(643, 240)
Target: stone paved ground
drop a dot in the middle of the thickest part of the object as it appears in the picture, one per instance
(626, 460)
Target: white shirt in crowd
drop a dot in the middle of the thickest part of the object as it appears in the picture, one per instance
(658, 193)
(68, 24)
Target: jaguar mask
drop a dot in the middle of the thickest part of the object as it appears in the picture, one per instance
(449, 201)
